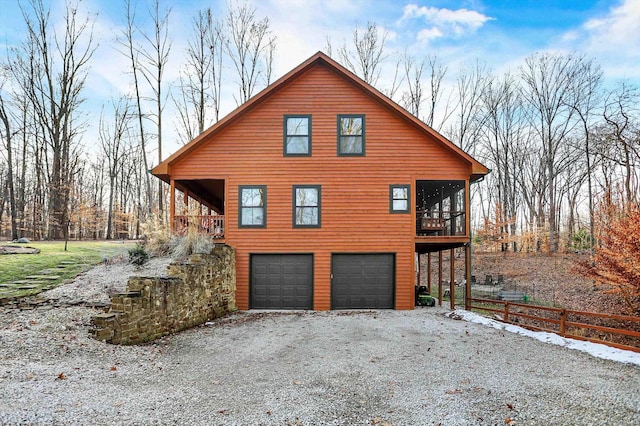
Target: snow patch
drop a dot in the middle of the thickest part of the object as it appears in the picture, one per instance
(595, 349)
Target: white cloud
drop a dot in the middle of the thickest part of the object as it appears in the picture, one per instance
(457, 22)
(619, 28)
(429, 34)
(614, 39)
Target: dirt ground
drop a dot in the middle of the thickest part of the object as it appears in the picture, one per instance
(550, 279)
(546, 279)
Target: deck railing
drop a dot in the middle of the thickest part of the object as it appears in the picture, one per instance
(440, 223)
(618, 331)
(212, 225)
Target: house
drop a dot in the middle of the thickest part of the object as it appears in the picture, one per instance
(326, 189)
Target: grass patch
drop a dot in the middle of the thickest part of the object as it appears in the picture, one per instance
(53, 261)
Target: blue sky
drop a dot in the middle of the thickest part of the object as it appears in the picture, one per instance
(500, 33)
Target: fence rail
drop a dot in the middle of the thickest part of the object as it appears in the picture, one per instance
(212, 225)
(566, 323)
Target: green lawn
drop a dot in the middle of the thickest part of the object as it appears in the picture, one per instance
(51, 262)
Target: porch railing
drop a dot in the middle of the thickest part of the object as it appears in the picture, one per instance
(440, 223)
(212, 225)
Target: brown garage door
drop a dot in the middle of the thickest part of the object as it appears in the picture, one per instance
(362, 281)
(281, 281)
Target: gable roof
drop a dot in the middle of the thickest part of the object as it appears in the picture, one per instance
(162, 170)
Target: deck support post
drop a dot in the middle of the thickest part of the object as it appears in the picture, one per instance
(440, 278)
(452, 284)
(467, 275)
(185, 200)
(172, 205)
(429, 272)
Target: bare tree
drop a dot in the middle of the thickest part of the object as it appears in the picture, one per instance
(503, 134)
(56, 70)
(368, 54)
(412, 98)
(549, 83)
(585, 109)
(7, 132)
(416, 95)
(112, 135)
(126, 41)
(471, 84)
(622, 117)
(200, 80)
(154, 58)
(250, 47)
(437, 72)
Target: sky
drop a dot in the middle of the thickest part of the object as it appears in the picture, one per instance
(499, 33)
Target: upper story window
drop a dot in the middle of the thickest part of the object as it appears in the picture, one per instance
(252, 204)
(351, 135)
(306, 206)
(399, 198)
(297, 135)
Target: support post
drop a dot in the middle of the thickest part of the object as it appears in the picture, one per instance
(172, 205)
(467, 274)
(452, 285)
(185, 201)
(429, 273)
(440, 278)
(419, 277)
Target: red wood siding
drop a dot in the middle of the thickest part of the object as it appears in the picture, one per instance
(355, 190)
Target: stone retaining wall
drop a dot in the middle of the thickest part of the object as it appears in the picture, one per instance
(195, 291)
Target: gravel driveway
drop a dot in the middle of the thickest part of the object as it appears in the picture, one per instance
(337, 368)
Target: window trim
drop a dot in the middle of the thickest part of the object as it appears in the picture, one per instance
(340, 135)
(285, 135)
(264, 205)
(294, 203)
(391, 199)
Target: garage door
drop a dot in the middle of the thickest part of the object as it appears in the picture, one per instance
(362, 281)
(281, 281)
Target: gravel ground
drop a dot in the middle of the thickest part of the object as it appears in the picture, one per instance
(299, 368)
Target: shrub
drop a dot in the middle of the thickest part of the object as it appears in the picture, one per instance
(191, 243)
(138, 255)
(580, 240)
(617, 258)
(158, 236)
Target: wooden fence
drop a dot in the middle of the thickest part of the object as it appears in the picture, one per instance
(618, 331)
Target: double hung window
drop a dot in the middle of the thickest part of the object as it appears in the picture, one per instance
(253, 206)
(399, 199)
(351, 135)
(306, 206)
(297, 135)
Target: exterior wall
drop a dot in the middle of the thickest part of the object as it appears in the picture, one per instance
(355, 190)
(196, 291)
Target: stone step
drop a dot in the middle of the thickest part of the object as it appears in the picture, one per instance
(28, 286)
(51, 271)
(43, 277)
(21, 282)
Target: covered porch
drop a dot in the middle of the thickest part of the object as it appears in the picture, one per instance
(441, 208)
(198, 205)
(442, 228)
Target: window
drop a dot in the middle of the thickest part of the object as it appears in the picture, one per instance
(399, 199)
(351, 135)
(252, 202)
(297, 135)
(306, 206)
